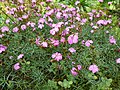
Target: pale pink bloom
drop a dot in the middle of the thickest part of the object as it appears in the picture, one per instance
(33, 1)
(48, 0)
(57, 56)
(91, 18)
(72, 50)
(1, 35)
(40, 26)
(88, 43)
(77, 2)
(73, 63)
(44, 44)
(73, 38)
(19, 19)
(23, 27)
(118, 60)
(100, 0)
(55, 42)
(93, 68)
(112, 40)
(2, 48)
(66, 31)
(56, 29)
(98, 15)
(65, 15)
(109, 3)
(95, 27)
(28, 23)
(32, 24)
(41, 20)
(91, 24)
(79, 67)
(52, 32)
(15, 29)
(58, 15)
(100, 22)
(74, 71)
(20, 56)
(37, 41)
(42, 3)
(90, 14)
(24, 16)
(10, 57)
(83, 42)
(34, 29)
(93, 11)
(83, 21)
(92, 31)
(49, 19)
(17, 66)
(20, 1)
(4, 29)
(78, 18)
(62, 39)
(107, 32)
(7, 21)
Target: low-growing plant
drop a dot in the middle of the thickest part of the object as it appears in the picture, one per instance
(47, 45)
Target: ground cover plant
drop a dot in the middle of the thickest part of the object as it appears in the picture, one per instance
(55, 45)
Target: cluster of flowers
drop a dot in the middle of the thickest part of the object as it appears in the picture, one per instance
(65, 31)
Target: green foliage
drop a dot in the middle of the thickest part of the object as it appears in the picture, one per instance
(39, 72)
(65, 83)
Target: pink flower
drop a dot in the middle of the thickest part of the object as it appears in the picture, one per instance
(112, 40)
(7, 21)
(83, 42)
(55, 42)
(37, 41)
(107, 32)
(23, 27)
(2, 48)
(93, 68)
(77, 2)
(100, 0)
(48, 0)
(44, 44)
(88, 43)
(1, 35)
(62, 39)
(52, 32)
(16, 66)
(109, 3)
(33, 1)
(24, 16)
(15, 29)
(57, 56)
(41, 20)
(74, 71)
(32, 24)
(20, 1)
(4, 29)
(40, 26)
(79, 67)
(94, 27)
(73, 38)
(92, 31)
(72, 50)
(118, 60)
(49, 19)
(20, 56)
(58, 15)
